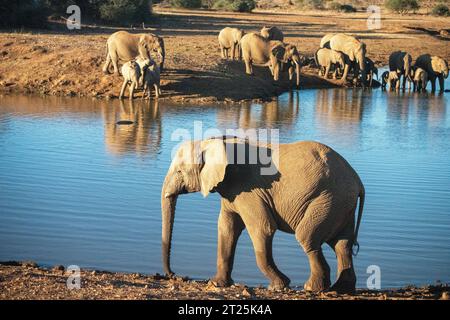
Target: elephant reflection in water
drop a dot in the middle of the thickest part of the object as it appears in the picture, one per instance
(141, 131)
(337, 108)
(279, 113)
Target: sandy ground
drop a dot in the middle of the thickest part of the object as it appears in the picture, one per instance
(62, 62)
(26, 280)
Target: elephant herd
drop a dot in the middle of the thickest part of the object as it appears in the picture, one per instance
(139, 69)
(340, 53)
(344, 51)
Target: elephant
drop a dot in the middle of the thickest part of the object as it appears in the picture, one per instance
(272, 33)
(229, 38)
(131, 73)
(152, 78)
(435, 67)
(260, 51)
(371, 70)
(420, 80)
(401, 62)
(309, 190)
(355, 51)
(391, 78)
(125, 46)
(325, 41)
(143, 65)
(326, 58)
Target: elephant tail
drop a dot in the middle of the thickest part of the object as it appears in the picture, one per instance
(362, 195)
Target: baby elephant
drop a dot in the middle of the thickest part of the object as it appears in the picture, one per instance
(371, 70)
(229, 39)
(152, 78)
(420, 80)
(131, 73)
(326, 58)
(391, 78)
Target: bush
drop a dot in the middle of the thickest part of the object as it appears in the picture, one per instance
(235, 5)
(310, 4)
(23, 13)
(125, 11)
(402, 6)
(186, 3)
(441, 10)
(336, 6)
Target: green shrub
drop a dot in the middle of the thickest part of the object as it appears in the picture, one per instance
(336, 6)
(441, 10)
(186, 3)
(125, 11)
(235, 5)
(23, 13)
(310, 4)
(402, 6)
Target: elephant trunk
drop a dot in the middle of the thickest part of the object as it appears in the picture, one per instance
(168, 204)
(162, 55)
(362, 67)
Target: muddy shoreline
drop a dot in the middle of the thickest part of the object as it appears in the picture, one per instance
(27, 280)
(64, 63)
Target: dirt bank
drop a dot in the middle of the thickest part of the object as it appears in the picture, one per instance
(26, 280)
(62, 62)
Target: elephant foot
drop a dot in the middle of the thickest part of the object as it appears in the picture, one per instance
(345, 283)
(221, 281)
(317, 284)
(279, 284)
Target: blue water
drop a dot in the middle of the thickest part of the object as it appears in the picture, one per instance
(76, 188)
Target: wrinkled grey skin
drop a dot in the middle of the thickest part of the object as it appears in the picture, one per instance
(131, 73)
(371, 71)
(355, 51)
(420, 80)
(124, 46)
(326, 58)
(312, 193)
(436, 68)
(229, 39)
(401, 62)
(260, 51)
(272, 33)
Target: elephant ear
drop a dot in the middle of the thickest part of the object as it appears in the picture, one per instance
(214, 164)
(278, 52)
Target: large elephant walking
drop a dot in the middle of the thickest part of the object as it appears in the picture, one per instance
(272, 53)
(125, 46)
(303, 188)
(435, 67)
(354, 50)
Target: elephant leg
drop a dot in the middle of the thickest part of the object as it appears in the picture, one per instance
(261, 229)
(310, 233)
(248, 66)
(222, 51)
(122, 90)
(344, 75)
(327, 70)
(342, 246)
(107, 63)
(132, 86)
(441, 83)
(156, 90)
(230, 227)
(233, 51)
(433, 84)
(115, 61)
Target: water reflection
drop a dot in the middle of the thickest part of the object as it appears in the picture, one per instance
(142, 136)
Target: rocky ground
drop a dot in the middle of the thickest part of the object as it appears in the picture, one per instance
(63, 62)
(26, 280)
